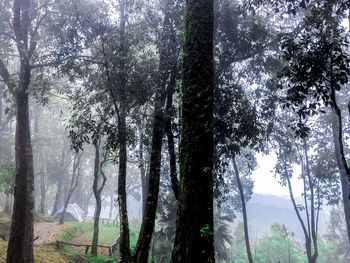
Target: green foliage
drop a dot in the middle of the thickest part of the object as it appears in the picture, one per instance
(279, 246)
(237, 252)
(316, 58)
(206, 231)
(7, 177)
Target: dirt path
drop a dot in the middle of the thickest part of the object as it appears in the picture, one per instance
(47, 232)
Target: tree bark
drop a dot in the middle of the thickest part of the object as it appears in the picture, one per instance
(312, 204)
(143, 175)
(42, 193)
(20, 246)
(149, 216)
(124, 237)
(343, 178)
(194, 240)
(169, 132)
(97, 193)
(244, 211)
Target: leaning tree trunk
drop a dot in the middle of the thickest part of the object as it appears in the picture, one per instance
(244, 211)
(343, 178)
(149, 215)
(194, 240)
(20, 246)
(343, 166)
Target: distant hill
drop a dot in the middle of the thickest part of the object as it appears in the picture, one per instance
(264, 210)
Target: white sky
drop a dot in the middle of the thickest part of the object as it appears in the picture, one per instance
(266, 183)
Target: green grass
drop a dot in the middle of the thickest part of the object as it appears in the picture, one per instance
(81, 233)
(107, 234)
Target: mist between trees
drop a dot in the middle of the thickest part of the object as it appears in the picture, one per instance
(149, 116)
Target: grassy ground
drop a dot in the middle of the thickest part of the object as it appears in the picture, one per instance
(74, 232)
(81, 233)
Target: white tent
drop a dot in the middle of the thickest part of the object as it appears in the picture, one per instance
(73, 211)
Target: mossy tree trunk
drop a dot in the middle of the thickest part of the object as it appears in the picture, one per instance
(194, 240)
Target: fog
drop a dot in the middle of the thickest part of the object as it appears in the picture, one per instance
(174, 131)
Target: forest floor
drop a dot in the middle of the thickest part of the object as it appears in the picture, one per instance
(47, 233)
(44, 249)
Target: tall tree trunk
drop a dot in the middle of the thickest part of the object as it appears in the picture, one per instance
(149, 216)
(94, 245)
(169, 132)
(343, 178)
(97, 193)
(244, 211)
(312, 204)
(73, 185)
(124, 238)
(20, 246)
(143, 175)
(194, 240)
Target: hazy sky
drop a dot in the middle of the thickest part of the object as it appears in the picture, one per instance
(266, 183)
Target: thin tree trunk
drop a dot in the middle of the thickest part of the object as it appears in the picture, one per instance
(244, 211)
(312, 204)
(42, 193)
(73, 185)
(297, 212)
(95, 189)
(20, 246)
(194, 240)
(343, 178)
(143, 175)
(98, 169)
(149, 216)
(339, 135)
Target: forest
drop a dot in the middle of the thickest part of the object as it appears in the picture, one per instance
(183, 131)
